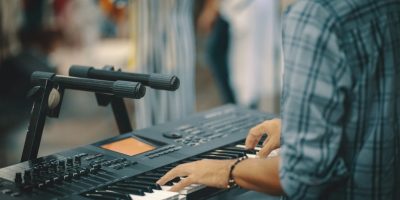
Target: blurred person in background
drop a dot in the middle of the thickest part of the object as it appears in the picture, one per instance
(37, 41)
(212, 25)
(241, 46)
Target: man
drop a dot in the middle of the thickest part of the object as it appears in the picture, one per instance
(340, 136)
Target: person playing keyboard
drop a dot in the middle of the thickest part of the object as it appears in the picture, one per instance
(339, 134)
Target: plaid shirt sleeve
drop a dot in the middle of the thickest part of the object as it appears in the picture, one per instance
(314, 92)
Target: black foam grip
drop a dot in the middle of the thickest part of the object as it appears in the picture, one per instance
(129, 89)
(85, 84)
(164, 82)
(80, 71)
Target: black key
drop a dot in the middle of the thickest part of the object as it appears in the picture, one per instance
(171, 166)
(171, 182)
(191, 159)
(239, 153)
(249, 151)
(153, 185)
(99, 196)
(262, 139)
(154, 174)
(232, 156)
(215, 157)
(135, 191)
(147, 178)
(162, 170)
(114, 194)
(145, 188)
(233, 148)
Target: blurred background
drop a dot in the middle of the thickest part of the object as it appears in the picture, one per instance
(223, 51)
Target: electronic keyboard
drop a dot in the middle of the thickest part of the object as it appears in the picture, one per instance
(128, 166)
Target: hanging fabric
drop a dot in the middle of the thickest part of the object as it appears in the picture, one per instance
(164, 43)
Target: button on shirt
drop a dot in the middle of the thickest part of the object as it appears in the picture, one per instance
(341, 100)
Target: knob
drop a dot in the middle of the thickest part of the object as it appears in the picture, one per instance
(97, 166)
(35, 170)
(77, 159)
(61, 163)
(53, 166)
(45, 167)
(70, 162)
(18, 178)
(28, 176)
(172, 135)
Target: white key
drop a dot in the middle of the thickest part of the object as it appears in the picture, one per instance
(244, 147)
(248, 154)
(272, 154)
(192, 188)
(166, 187)
(187, 190)
(157, 195)
(251, 155)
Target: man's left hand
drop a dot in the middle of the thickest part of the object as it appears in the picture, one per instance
(213, 173)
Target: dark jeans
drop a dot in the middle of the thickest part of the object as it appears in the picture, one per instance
(217, 56)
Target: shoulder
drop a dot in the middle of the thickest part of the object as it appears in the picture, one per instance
(313, 12)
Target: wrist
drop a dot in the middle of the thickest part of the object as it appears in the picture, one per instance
(231, 178)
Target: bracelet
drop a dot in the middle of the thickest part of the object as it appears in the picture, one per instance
(231, 180)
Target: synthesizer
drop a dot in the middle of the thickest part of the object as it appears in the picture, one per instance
(127, 166)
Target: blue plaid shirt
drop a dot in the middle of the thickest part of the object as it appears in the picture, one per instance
(341, 100)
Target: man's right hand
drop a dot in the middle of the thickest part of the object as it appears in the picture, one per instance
(270, 127)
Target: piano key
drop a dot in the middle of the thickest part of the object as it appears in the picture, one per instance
(257, 148)
(166, 187)
(162, 170)
(158, 195)
(219, 157)
(153, 185)
(252, 152)
(251, 156)
(192, 188)
(240, 153)
(231, 156)
(239, 149)
(187, 190)
(147, 178)
(131, 190)
(151, 179)
(169, 167)
(99, 196)
(145, 188)
(154, 174)
(191, 159)
(114, 194)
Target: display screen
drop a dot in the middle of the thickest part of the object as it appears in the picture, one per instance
(128, 146)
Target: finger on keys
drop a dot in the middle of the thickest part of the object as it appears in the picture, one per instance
(173, 173)
(179, 170)
(255, 135)
(265, 151)
(182, 184)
